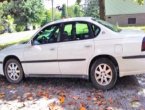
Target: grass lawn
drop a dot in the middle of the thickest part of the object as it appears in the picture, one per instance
(13, 38)
(134, 27)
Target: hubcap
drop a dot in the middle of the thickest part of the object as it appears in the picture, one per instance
(103, 74)
(13, 71)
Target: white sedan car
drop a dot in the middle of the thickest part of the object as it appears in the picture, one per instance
(77, 48)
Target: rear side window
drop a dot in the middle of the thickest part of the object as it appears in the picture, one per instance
(82, 28)
(82, 31)
(68, 29)
(78, 31)
(95, 29)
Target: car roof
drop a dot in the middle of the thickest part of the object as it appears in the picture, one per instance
(70, 20)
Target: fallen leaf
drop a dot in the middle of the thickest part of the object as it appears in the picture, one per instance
(89, 98)
(61, 99)
(76, 97)
(42, 94)
(99, 103)
(109, 108)
(29, 96)
(82, 107)
(54, 106)
(110, 100)
(2, 95)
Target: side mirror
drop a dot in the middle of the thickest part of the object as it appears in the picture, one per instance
(32, 42)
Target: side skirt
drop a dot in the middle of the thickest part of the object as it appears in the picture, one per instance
(57, 76)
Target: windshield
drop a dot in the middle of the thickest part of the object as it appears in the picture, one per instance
(108, 25)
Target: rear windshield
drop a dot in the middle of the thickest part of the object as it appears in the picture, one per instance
(108, 25)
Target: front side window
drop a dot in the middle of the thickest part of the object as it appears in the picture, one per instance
(47, 35)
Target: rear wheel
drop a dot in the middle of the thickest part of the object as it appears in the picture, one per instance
(103, 74)
(13, 71)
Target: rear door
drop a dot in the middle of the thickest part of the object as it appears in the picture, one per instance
(76, 48)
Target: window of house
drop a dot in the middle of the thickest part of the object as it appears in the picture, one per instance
(131, 20)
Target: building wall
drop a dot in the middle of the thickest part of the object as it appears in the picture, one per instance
(117, 7)
(122, 20)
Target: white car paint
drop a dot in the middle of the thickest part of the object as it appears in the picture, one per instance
(118, 45)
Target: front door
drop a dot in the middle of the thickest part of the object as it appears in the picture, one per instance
(41, 57)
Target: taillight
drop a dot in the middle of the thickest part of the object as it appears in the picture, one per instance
(143, 44)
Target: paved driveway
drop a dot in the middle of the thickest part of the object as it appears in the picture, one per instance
(72, 94)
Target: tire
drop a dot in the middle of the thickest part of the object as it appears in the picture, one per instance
(103, 74)
(13, 71)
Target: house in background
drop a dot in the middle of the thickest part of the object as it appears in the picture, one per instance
(125, 12)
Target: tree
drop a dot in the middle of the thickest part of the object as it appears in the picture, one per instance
(77, 11)
(141, 2)
(102, 9)
(78, 2)
(27, 11)
(64, 11)
(91, 8)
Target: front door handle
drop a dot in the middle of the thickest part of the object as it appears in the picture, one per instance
(88, 46)
(52, 49)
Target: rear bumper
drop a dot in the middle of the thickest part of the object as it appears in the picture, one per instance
(132, 66)
(1, 69)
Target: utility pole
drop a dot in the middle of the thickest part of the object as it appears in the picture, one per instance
(52, 11)
(67, 8)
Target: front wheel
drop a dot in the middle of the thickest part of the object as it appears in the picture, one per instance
(13, 71)
(103, 74)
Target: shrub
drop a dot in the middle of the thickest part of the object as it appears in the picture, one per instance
(20, 28)
(2, 28)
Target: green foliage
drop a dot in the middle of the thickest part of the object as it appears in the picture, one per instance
(78, 2)
(3, 6)
(20, 28)
(64, 11)
(92, 8)
(71, 11)
(77, 11)
(2, 28)
(57, 15)
(141, 2)
(27, 11)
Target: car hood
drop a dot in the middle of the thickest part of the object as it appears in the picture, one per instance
(13, 48)
(132, 33)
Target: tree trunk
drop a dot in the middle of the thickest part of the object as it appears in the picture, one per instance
(102, 9)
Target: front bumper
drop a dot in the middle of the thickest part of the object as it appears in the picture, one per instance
(1, 69)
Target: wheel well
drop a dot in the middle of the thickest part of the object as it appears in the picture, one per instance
(104, 56)
(9, 57)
